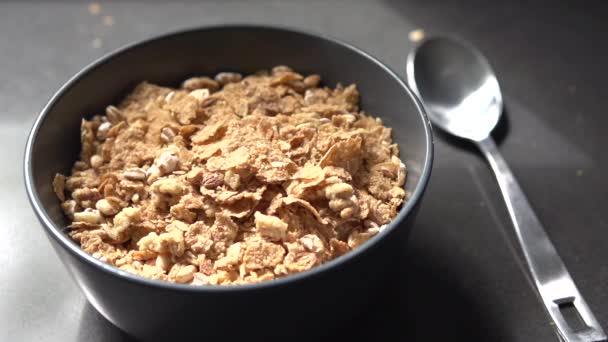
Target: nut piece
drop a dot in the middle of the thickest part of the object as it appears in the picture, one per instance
(120, 230)
(200, 94)
(106, 207)
(287, 78)
(168, 186)
(171, 242)
(312, 81)
(59, 186)
(261, 254)
(126, 217)
(195, 176)
(339, 190)
(224, 78)
(163, 261)
(281, 68)
(270, 227)
(149, 271)
(200, 279)
(201, 83)
(231, 260)
(401, 174)
(370, 224)
(96, 161)
(312, 243)
(232, 179)
(338, 247)
(69, 208)
(182, 273)
(342, 199)
(167, 162)
(212, 180)
(167, 134)
(102, 130)
(90, 216)
(299, 259)
(114, 114)
(357, 238)
(135, 174)
(85, 195)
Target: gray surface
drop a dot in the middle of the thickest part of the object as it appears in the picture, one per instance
(463, 266)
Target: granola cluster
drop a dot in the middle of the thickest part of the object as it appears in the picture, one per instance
(231, 180)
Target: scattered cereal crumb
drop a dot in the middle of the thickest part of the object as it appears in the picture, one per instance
(108, 20)
(94, 8)
(579, 172)
(96, 43)
(416, 36)
(270, 227)
(59, 186)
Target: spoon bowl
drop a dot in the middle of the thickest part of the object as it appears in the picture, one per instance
(457, 86)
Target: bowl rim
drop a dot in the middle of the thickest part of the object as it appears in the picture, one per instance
(57, 232)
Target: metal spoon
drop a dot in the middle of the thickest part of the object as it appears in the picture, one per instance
(461, 95)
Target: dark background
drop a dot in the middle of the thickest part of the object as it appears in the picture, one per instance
(462, 278)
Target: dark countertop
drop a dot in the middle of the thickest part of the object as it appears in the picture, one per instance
(463, 277)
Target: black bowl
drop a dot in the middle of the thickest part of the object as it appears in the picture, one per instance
(307, 304)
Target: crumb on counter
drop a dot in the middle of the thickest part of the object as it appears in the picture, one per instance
(108, 20)
(97, 43)
(416, 35)
(94, 8)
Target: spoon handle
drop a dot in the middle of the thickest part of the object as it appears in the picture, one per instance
(555, 285)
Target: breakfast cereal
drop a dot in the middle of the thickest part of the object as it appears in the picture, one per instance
(231, 179)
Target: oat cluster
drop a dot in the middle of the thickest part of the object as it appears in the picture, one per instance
(231, 180)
